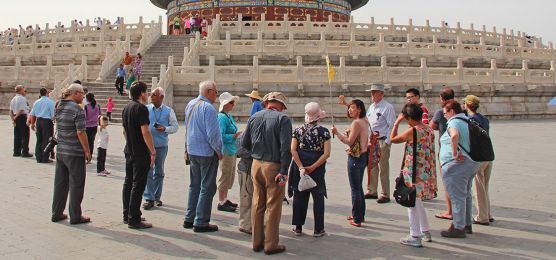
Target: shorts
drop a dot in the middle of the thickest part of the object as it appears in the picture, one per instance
(227, 173)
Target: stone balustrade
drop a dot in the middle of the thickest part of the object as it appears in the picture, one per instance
(356, 30)
(300, 75)
(78, 33)
(355, 48)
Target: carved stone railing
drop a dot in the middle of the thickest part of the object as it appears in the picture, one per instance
(74, 73)
(191, 53)
(165, 81)
(354, 48)
(77, 33)
(353, 75)
(365, 29)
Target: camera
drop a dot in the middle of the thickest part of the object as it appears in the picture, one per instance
(156, 125)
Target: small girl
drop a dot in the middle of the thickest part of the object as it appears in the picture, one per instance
(102, 146)
(109, 108)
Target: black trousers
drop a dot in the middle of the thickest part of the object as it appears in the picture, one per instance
(120, 85)
(301, 204)
(91, 134)
(136, 169)
(44, 130)
(69, 176)
(21, 135)
(109, 115)
(101, 159)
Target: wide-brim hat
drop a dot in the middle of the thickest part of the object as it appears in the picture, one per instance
(471, 99)
(277, 96)
(254, 94)
(379, 87)
(313, 112)
(226, 98)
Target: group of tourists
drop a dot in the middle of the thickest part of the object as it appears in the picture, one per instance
(272, 157)
(189, 25)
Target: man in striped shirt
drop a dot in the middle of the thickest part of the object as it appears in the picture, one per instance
(71, 156)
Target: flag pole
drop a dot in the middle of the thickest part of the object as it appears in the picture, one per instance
(331, 73)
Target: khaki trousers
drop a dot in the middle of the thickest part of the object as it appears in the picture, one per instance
(483, 199)
(267, 199)
(383, 170)
(227, 173)
(245, 199)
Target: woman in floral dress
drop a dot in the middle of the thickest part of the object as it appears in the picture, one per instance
(425, 181)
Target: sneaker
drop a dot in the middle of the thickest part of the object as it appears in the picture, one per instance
(149, 204)
(453, 232)
(226, 208)
(426, 236)
(231, 204)
(468, 229)
(158, 203)
(297, 231)
(204, 229)
(319, 233)
(411, 241)
(101, 174)
(107, 172)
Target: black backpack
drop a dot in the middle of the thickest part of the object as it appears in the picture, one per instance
(480, 143)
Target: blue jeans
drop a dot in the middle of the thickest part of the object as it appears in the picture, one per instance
(202, 187)
(458, 179)
(356, 171)
(155, 177)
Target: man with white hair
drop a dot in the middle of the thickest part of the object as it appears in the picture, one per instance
(72, 153)
(19, 108)
(204, 149)
(162, 123)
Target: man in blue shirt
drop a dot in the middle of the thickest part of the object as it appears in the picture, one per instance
(204, 146)
(41, 122)
(256, 99)
(120, 79)
(162, 122)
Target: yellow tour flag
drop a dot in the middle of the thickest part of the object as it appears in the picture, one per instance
(331, 71)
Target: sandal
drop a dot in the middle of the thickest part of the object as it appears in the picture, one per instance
(443, 216)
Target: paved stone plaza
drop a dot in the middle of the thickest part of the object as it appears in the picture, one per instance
(522, 195)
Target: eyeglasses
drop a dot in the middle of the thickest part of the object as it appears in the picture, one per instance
(215, 91)
(409, 97)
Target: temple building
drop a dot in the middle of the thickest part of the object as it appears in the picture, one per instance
(274, 10)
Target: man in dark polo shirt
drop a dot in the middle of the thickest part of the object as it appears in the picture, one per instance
(268, 136)
(139, 154)
(72, 153)
(440, 123)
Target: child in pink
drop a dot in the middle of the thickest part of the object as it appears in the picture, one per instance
(109, 107)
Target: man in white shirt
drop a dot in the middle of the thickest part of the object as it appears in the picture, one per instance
(19, 108)
(381, 116)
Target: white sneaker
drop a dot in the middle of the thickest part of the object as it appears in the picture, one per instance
(107, 172)
(426, 236)
(411, 241)
(101, 174)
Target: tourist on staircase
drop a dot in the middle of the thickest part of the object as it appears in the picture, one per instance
(120, 79)
(127, 61)
(138, 67)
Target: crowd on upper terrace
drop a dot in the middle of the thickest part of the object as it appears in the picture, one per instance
(10, 35)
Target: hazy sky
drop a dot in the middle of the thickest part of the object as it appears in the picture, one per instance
(532, 16)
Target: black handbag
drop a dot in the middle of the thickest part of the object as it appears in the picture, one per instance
(404, 195)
